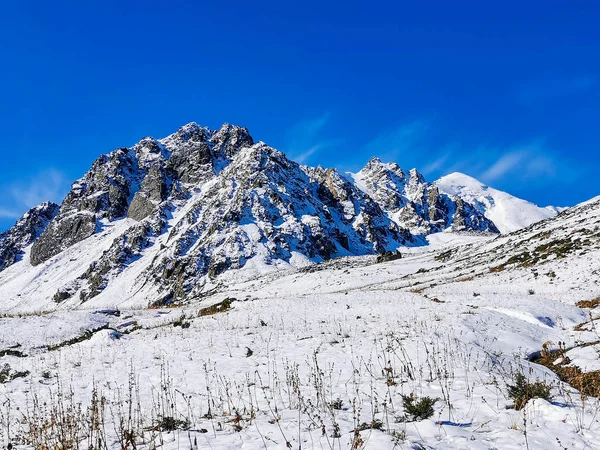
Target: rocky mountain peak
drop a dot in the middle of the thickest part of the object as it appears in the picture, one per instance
(190, 132)
(200, 202)
(375, 165)
(229, 139)
(506, 211)
(415, 176)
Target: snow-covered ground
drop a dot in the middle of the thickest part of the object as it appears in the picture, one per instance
(320, 357)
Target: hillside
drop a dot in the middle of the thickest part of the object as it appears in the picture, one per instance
(321, 357)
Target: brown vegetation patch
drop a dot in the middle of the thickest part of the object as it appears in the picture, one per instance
(588, 383)
(222, 306)
(588, 303)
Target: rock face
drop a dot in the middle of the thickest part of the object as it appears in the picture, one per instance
(153, 191)
(102, 193)
(27, 229)
(202, 202)
(415, 204)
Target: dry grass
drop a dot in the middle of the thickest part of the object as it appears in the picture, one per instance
(465, 280)
(222, 306)
(588, 303)
(588, 383)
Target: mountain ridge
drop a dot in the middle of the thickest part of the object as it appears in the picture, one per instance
(201, 202)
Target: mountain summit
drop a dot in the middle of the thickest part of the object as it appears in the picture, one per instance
(164, 219)
(508, 213)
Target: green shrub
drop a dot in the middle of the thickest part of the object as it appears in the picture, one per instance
(337, 404)
(418, 408)
(376, 424)
(523, 391)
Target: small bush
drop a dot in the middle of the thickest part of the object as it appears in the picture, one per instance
(337, 404)
(171, 424)
(375, 425)
(418, 408)
(7, 374)
(523, 391)
(531, 292)
(182, 322)
(222, 306)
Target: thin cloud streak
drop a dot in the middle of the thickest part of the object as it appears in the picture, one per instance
(9, 214)
(48, 185)
(415, 144)
(392, 145)
(304, 139)
(504, 165)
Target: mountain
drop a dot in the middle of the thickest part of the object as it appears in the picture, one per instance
(164, 220)
(414, 204)
(507, 212)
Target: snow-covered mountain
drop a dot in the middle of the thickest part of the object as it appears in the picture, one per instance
(164, 219)
(257, 362)
(506, 211)
(330, 355)
(414, 204)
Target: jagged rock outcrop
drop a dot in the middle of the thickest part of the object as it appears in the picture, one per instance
(27, 229)
(264, 206)
(102, 193)
(415, 204)
(507, 212)
(134, 181)
(153, 191)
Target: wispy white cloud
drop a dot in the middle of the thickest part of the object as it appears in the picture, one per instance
(6, 213)
(305, 139)
(416, 144)
(504, 165)
(440, 162)
(48, 185)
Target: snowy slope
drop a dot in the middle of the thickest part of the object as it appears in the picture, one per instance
(508, 212)
(321, 358)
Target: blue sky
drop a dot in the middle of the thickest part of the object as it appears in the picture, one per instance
(508, 93)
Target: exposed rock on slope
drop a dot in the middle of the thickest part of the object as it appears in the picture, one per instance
(415, 204)
(265, 207)
(133, 181)
(27, 229)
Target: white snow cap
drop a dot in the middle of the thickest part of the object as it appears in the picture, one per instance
(509, 213)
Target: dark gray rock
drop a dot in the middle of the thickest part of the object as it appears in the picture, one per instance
(102, 193)
(27, 229)
(61, 234)
(467, 217)
(152, 192)
(416, 205)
